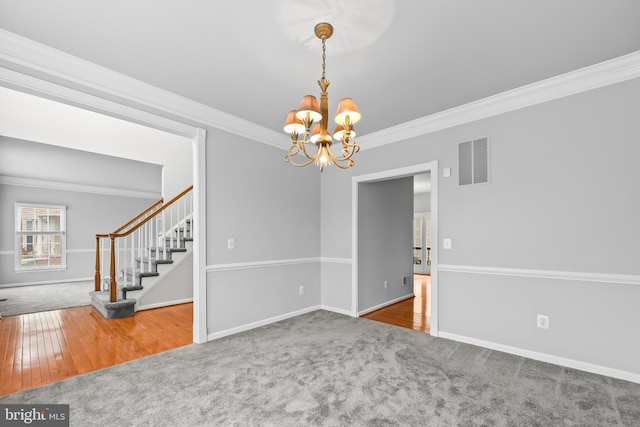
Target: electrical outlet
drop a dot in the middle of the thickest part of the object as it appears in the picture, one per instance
(301, 290)
(386, 284)
(231, 243)
(543, 321)
(405, 281)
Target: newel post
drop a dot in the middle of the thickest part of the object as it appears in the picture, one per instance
(97, 276)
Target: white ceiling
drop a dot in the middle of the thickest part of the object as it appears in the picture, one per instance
(399, 60)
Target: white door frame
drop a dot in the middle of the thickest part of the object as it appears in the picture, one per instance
(38, 87)
(383, 176)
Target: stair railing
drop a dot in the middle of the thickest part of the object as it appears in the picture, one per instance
(101, 239)
(141, 241)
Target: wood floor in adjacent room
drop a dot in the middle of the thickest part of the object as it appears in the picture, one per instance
(40, 348)
(413, 313)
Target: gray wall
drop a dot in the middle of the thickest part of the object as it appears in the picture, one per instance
(87, 213)
(385, 231)
(272, 210)
(562, 198)
(28, 159)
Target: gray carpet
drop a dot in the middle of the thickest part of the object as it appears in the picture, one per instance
(326, 369)
(38, 298)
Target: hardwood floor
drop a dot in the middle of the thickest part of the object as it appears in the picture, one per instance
(40, 348)
(413, 313)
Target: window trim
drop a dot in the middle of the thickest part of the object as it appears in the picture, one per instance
(18, 268)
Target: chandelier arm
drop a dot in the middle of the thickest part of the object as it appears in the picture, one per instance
(306, 153)
(341, 166)
(293, 150)
(346, 155)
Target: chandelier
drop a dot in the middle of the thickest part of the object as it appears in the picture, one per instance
(302, 124)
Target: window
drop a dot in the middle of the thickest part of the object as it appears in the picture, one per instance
(40, 237)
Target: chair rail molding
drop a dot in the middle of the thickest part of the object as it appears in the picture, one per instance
(623, 279)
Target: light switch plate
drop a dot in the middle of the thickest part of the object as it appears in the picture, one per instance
(446, 172)
(446, 243)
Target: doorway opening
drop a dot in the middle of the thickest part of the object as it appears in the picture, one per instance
(428, 282)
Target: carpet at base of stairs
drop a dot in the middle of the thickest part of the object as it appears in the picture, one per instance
(113, 310)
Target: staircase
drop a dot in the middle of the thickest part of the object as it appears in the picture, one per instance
(149, 260)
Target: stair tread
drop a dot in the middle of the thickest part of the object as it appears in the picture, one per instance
(154, 260)
(133, 288)
(168, 249)
(138, 273)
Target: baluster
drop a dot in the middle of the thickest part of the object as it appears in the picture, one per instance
(113, 295)
(133, 256)
(171, 227)
(164, 235)
(156, 236)
(149, 241)
(177, 229)
(140, 248)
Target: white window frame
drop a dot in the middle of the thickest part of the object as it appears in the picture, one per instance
(19, 233)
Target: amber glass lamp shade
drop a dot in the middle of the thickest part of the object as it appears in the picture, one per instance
(309, 105)
(347, 108)
(339, 133)
(293, 124)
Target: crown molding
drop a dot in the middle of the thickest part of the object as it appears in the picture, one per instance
(606, 73)
(79, 188)
(19, 52)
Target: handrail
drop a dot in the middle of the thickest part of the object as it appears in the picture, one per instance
(156, 203)
(104, 236)
(119, 233)
(153, 215)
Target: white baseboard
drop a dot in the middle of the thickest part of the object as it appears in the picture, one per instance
(164, 304)
(337, 310)
(249, 326)
(549, 358)
(384, 304)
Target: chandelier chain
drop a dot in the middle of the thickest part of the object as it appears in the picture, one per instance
(324, 57)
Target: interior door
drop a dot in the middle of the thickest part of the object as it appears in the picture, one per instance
(422, 243)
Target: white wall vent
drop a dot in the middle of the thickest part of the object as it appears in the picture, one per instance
(473, 161)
